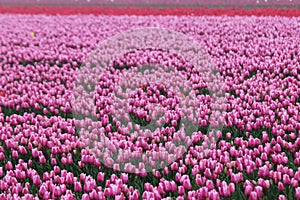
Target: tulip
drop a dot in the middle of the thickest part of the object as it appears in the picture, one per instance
(259, 191)
(266, 184)
(281, 197)
(8, 166)
(2, 156)
(77, 187)
(100, 177)
(280, 186)
(187, 184)
(57, 191)
(82, 177)
(253, 196)
(209, 185)
(297, 193)
(85, 197)
(248, 190)
(181, 190)
(15, 154)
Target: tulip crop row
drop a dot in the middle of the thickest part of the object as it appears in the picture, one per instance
(160, 3)
(44, 155)
(142, 11)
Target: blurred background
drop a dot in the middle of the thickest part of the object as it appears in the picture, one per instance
(158, 3)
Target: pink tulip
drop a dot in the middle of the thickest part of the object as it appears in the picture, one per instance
(15, 154)
(100, 177)
(2, 156)
(8, 166)
(266, 184)
(297, 193)
(253, 196)
(231, 187)
(259, 191)
(36, 180)
(286, 179)
(57, 191)
(280, 186)
(82, 177)
(281, 197)
(1, 171)
(46, 195)
(181, 190)
(209, 185)
(77, 187)
(85, 197)
(248, 190)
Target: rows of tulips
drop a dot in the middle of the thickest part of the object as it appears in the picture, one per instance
(234, 3)
(43, 155)
(142, 11)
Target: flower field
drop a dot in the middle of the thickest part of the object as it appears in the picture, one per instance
(141, 11)
(254, 154)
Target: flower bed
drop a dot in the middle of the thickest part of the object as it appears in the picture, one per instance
(179, 3)
(255, 156)
(141, 11)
